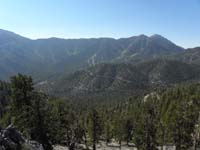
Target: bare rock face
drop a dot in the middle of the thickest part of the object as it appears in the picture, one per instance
(12, 139)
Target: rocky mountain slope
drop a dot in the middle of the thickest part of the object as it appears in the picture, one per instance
(191, 56)
(124, 78)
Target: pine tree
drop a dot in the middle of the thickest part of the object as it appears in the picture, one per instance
(29, 110)
(40, 120)
(95, 127)
(21, 94)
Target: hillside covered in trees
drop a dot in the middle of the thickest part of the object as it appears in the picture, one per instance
(121, 79)
(164, 117)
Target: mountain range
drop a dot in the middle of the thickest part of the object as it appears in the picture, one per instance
(98, 64)
(53, 55)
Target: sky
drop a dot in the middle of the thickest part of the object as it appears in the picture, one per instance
(177, 20)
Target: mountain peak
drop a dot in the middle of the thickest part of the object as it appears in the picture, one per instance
(142, 35)
(165, 42)
(157, 36)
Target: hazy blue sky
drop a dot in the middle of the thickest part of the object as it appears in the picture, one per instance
(178, 20)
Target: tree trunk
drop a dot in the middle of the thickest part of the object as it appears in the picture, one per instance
(163, 137)
(94, 146)
(195, 144)
(94, 131)
(94, 137)
(120, 144)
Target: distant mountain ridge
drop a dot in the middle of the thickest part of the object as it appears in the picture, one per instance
(191, 56)
(43, 58)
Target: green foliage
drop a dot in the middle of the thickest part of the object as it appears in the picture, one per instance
(167, 116)
(4, 104)
(29, 110)
(21, 94)
(146, 129)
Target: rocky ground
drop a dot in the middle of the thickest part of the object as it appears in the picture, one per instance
(100, 146)
(111, 146)
(12, 139)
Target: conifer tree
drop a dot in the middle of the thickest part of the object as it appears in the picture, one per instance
(95, 127)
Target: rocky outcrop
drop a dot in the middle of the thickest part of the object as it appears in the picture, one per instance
(33, 145)
(12, 139)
